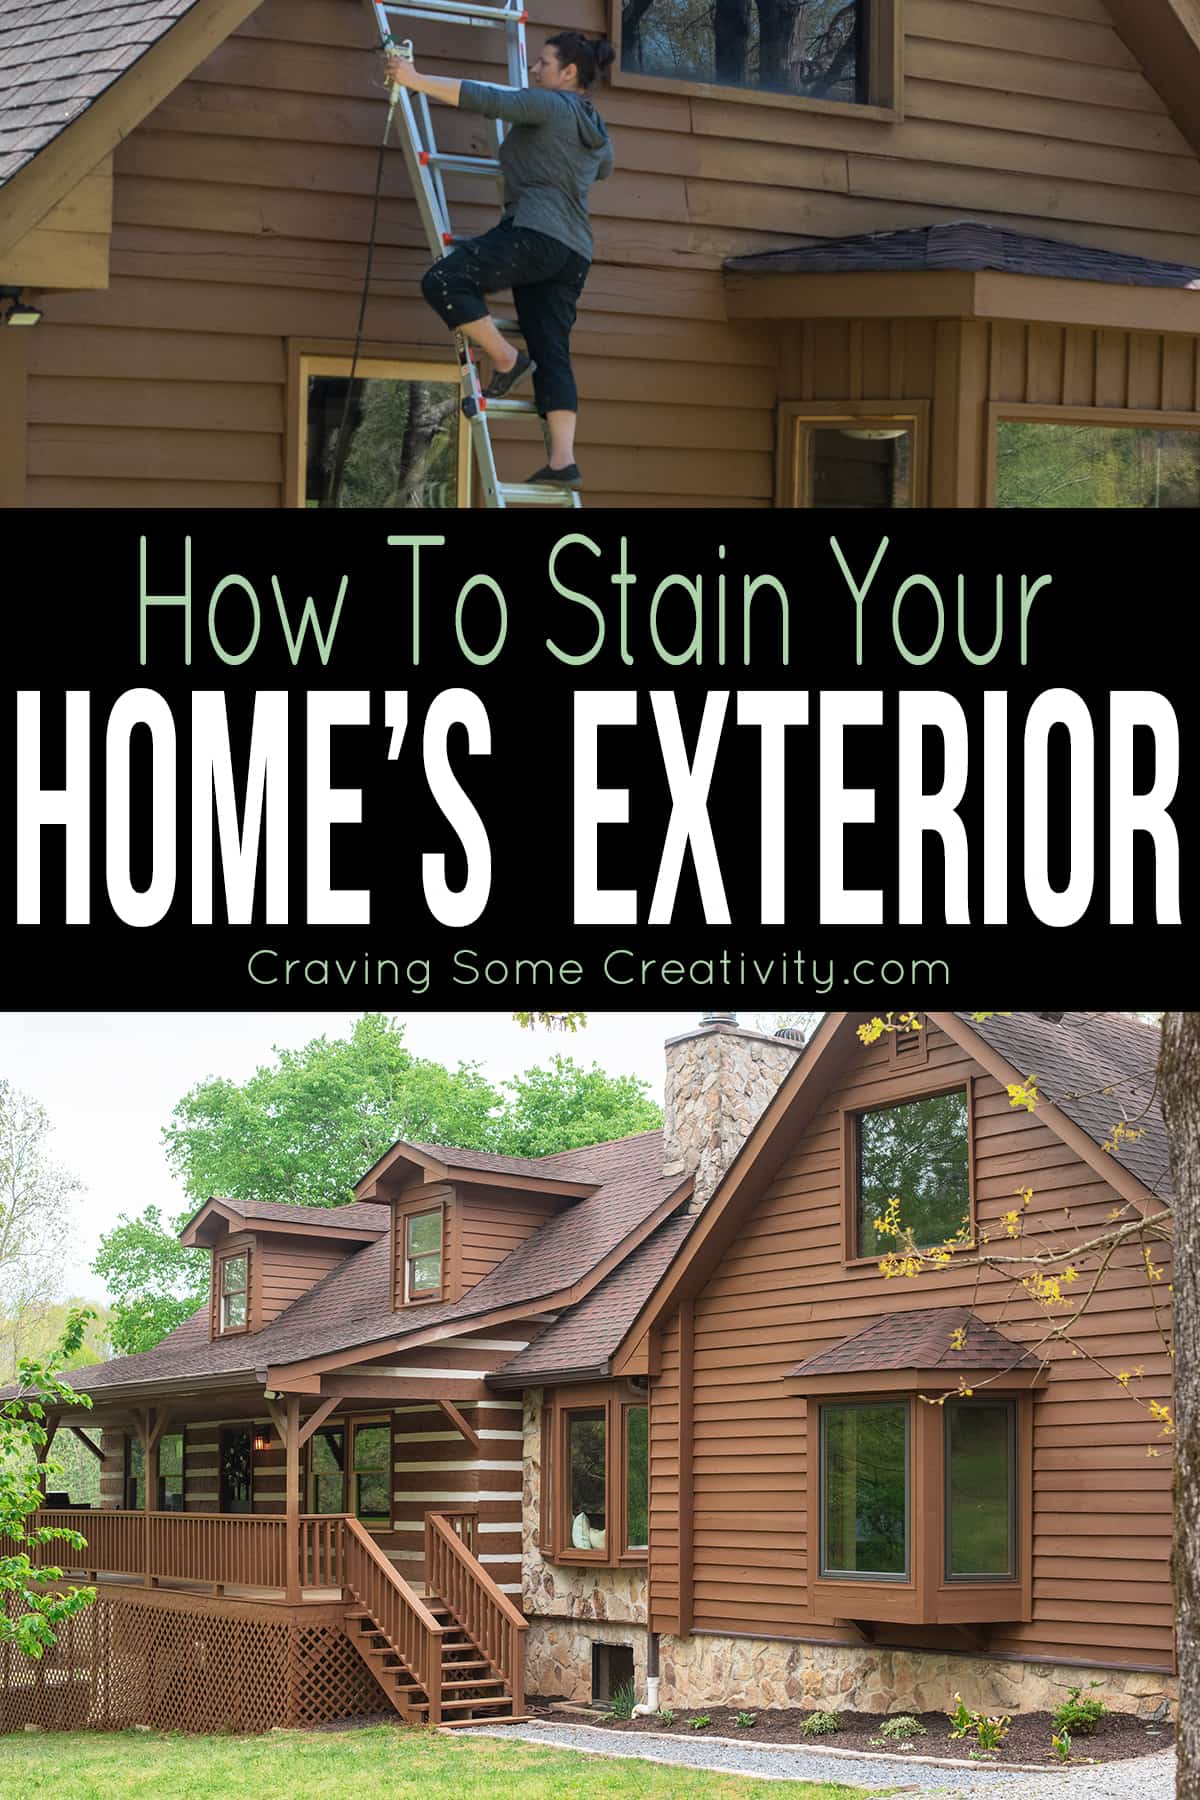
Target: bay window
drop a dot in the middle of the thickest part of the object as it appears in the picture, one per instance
(864, 1490)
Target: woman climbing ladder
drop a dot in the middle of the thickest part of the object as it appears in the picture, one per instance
(542, 247)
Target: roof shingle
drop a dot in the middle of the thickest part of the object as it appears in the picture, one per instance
(923, 1339)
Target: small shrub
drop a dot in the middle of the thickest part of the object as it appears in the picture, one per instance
(988, 1730)
(1062, 1745)
(701, 1722)
(745, 1720)
(901, 1725)
(1077, 1715)
(622, 1701)
(666, 1715)
(820, 1724)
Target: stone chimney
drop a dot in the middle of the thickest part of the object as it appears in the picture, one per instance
(719, 1078)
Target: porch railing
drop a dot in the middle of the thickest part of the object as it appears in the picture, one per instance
(404, 1619)
(219, 1549)
(487, 1615)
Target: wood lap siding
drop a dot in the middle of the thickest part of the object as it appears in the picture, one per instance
(284, 1268)
(242, 206)
(1102, 1509)
(491, 1224)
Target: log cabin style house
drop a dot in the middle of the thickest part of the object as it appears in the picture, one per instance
(649, 1412)
(883, 253)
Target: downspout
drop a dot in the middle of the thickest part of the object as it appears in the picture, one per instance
(651, 1706)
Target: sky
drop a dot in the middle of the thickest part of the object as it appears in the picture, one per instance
(110, 1080)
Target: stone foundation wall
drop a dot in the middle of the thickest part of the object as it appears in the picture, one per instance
(558, 1656)
(717, 1671)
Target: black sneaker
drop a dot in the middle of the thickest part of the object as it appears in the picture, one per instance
(548, 477)
(505, 380)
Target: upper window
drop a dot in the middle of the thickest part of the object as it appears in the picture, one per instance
(423, 1255)
(233, 1291)
(406, 445)
(916, 1154)
(815, 49)
(864, 1490)
(1043, 464)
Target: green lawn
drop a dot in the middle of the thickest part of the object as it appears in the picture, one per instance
(382, 1762)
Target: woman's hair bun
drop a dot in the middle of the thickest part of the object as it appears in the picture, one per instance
(606, 55)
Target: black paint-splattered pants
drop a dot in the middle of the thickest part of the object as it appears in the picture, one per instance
(546, 278)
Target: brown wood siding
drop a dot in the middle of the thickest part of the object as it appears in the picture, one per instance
(963, 366)
(284, 1268)
(242, 204)
(491, 1223)
(69, 247)
(783, 1292)
(664, 1483)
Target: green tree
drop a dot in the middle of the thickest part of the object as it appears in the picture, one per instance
(565, 1107)
(305, 1128)
(24, 1434)
(153, 1282)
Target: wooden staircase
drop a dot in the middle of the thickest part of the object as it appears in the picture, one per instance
(439, 1663)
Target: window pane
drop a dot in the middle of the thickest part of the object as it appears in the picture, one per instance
(425, 1275)
(979, 1477)
(637, 1436)
(233, 1275)
(865, 1489)
(327, 1493)
(860, 465)
(917, 1153)
(373, 1497)
(424, 1233)
(585, 1478)
(372, 1446)
(403, 442)
(328, 1450)
(233, 1314)
(1095, 465)
(813, 47)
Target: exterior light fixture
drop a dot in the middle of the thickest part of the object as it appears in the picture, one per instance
(262, 1440)
(875, 434)
(20, 312)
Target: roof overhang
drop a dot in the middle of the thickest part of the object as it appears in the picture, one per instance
(1164, 35)
(207, 1226)
(958, 294)
(918, 1381)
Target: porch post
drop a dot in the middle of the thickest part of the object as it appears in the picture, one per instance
(42, 1454)
(292, 1488)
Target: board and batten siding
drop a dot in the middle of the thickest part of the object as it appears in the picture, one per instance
(966, 368)
(241, 209)
(1102, 1508)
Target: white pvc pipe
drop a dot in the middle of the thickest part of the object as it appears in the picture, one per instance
(651, 1706)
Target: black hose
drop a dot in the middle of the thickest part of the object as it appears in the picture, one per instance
(334, 491)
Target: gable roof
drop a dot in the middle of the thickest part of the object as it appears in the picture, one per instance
(350, 1308)
(920, 1340)
(1112, 1073)
(356, 1219)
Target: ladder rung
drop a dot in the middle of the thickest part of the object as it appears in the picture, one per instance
(519, 494)
(462, 165)
(521, 408)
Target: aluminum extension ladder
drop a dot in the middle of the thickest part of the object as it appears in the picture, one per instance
(427, 166)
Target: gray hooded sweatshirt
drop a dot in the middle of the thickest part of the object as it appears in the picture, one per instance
(557, 147)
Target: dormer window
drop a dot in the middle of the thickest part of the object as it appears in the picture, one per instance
(233, 1292)
(423, 1255)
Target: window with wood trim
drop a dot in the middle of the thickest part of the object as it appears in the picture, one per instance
(349, 1470)
(169, 1497)
(423, 1241)
(407, 444)
(826, 53)
(1075, 460)
(231, 1274)
(595, 1475)
(910, 1170)
(922, 1512)
(858, 454)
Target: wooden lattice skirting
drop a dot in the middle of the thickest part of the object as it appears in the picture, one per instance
(178, 1662)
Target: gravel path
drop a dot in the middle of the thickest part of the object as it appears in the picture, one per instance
(1139, 1778)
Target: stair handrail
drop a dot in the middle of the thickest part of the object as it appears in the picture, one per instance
(504, 1647)
(421, 1649)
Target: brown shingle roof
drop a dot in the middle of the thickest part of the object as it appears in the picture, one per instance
(351, 1306)
(55, 59)
(966, 244)
(359, 1215)
(919, 1340)
(571, 1164)
(583, 1338)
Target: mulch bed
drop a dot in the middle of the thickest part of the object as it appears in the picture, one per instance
(1115, 1739)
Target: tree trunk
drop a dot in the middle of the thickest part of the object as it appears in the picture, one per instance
(1179, 1078)
(731, 45)
(777, 21)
